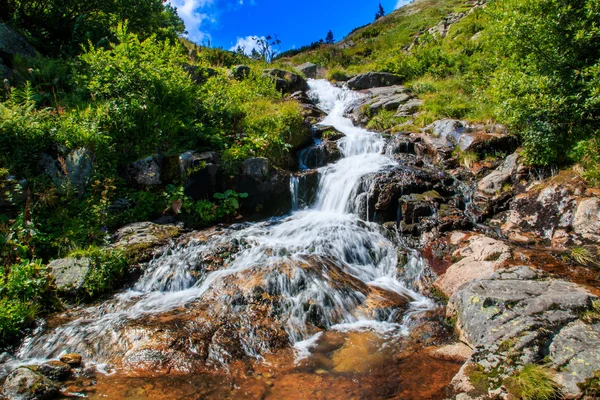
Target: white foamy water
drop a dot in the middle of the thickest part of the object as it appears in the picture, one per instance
(300, 257)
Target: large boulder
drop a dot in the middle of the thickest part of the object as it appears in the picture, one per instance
(287, 82)
(70, 273)
(200, 172)
(69, 170)
(12, 44)
(520, 316)
(25, 384)
(140, 241)
(309, 70)
(240, 72)
(145, 172)
(373, 80)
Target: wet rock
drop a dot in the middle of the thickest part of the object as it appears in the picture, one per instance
(70, 273)
(326, 132)
(480, 257)
(309, 70)
(287, 82)
(25, 384)
(69, 170)
(308, 185)
(321, 154)
(141, 240)
(145, 172)
(516, 316)
(55, 370)
(240, 72)
(71, 359)
(373, 80)
(268, 188)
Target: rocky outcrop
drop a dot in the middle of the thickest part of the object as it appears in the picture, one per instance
(145, 172)
(373, 80)
(25, 384)
(493, 183)
(392, 98)
(519, 316)
(560, 211)
(12, 44)
(287, 82)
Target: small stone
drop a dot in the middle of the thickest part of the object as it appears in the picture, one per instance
(321, 371)
(268, 375)
(74, 360)
(269, 382)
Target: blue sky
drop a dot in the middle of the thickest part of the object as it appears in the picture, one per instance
(226, 23)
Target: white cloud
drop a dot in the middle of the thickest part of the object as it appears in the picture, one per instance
(248, 44)
(195, 13)
(402, 3)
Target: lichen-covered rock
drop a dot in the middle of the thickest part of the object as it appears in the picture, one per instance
(70, 273)
(141, 240)
(586, 221)
(494, 182)
(145, 172)
(480, 257)
(519, 316)
(25, 384)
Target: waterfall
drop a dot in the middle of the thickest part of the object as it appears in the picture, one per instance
(298, 256)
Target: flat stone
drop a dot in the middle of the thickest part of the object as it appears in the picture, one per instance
(457, 352)
(72, 359)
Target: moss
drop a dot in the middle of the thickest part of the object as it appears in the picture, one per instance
(533, 382)
(483, 380)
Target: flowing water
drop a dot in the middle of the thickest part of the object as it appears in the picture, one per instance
(328, 236)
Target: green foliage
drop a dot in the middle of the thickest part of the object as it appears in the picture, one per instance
(337, 75)
(582, 256)
(533, 382)
(384, 121)
(591, 387)
(59, 26)
(465, 158)
(107, 267)
(25, 290)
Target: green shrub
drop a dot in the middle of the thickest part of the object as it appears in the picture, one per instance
(337, 75)
(107, 268)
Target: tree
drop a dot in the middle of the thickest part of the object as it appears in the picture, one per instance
(266, 48)
(63, 26)
(330, 39)
(380, 13)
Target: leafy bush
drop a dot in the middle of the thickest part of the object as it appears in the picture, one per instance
(25, 290)
(337, 75)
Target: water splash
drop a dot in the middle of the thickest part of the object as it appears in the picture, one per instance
(324, 262)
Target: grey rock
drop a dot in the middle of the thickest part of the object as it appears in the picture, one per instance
(494, 182)
(25, 384)
(256, 168)
(145, 172)
(12, 44)
(70, 273)
(143, 235)
(523, 314)
(410, 108)
(373, 80)
(240, 72)
(71, 171)
(575, 352)
(308, 69)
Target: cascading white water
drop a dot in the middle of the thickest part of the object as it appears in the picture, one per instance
(326, 234)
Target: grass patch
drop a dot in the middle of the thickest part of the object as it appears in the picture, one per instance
(592, 315)
(533, 382)
(581, 256)
(591, 387)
